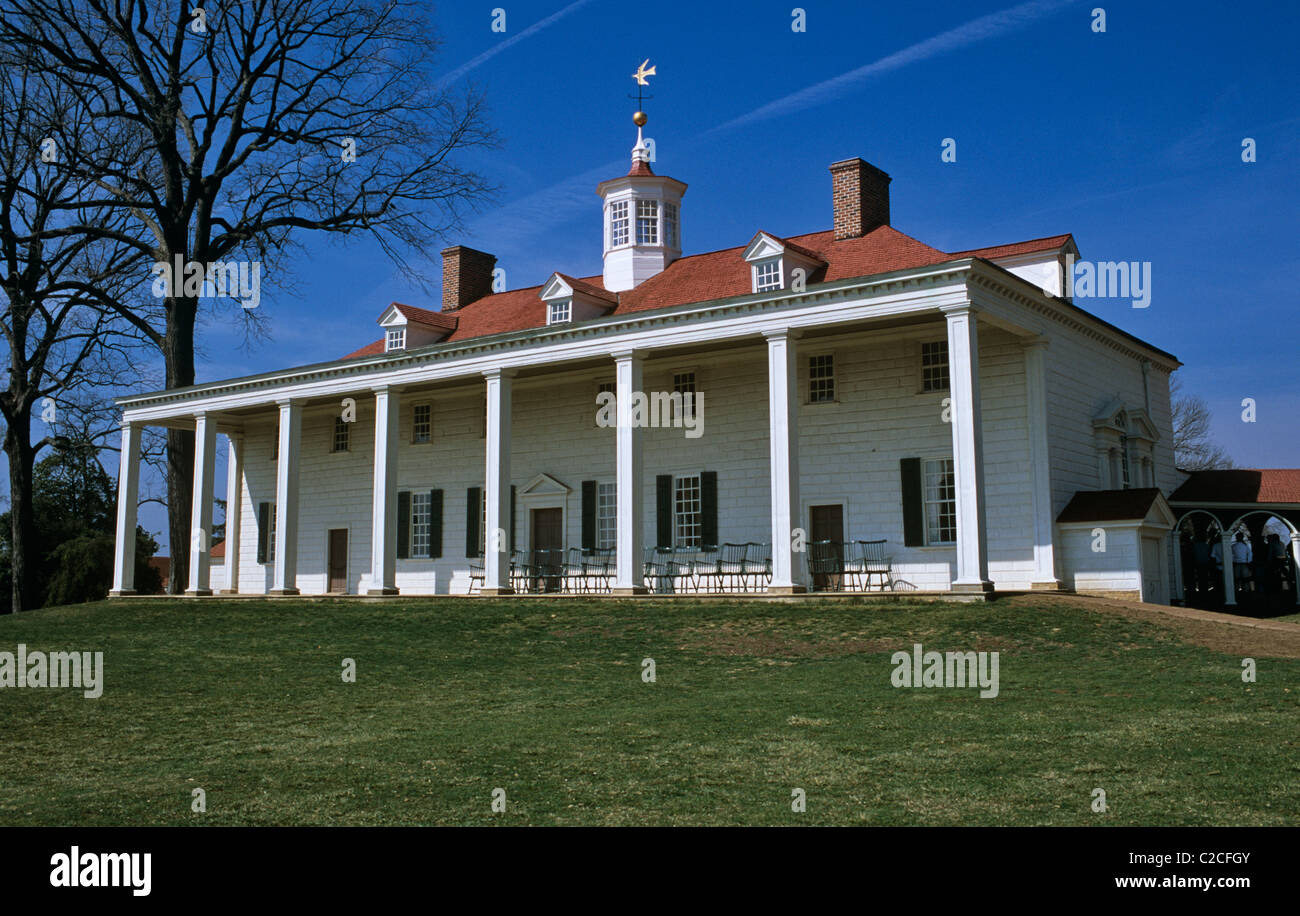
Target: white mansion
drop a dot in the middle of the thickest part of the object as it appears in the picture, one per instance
(852, 385)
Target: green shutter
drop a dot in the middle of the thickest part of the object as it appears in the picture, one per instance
(664, 510)
(473, 519)
(435, 524)
(709, 507)
(589, 515)
(913, 502)
(263, 525)
(403, 525)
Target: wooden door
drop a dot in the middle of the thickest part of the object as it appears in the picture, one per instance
(826, 523)
(338, 540)
(547, 529)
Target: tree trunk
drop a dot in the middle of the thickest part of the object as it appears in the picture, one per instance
(18, 449)
(178, 356)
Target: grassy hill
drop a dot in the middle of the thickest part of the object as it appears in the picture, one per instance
(545, 699)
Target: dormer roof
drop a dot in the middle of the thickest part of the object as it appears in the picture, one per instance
(562, 286)
(401, 313)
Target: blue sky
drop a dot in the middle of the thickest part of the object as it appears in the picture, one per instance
(1130, 139)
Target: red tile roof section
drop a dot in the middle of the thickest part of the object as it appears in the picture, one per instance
(714, 275)
(590, 289)
(1241, 485)
(424, 316)
(640, 168)
(1051, 243)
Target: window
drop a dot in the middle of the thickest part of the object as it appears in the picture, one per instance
(647, 222)
(395, 339)
(684, 384)
(934, 366)
(422, 424)
(670, 225)
(560, 311)
(686, 511)
(602, 388)
(940, 502)
(821, 379)
(421, 518)
(767, 275)
(1125, 480)
(606, 515)
(618, 224)
(342, 433)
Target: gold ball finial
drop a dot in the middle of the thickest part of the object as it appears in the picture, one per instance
(639, 119)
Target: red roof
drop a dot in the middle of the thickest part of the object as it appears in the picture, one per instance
(712, 275)
(1051, 243)
(590, 289)
(1241, 485)
(640, 168)
(440, 320)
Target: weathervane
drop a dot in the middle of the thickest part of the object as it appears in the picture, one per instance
(641, 74)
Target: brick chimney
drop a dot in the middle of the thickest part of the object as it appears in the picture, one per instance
(860, 197)
(466, 276)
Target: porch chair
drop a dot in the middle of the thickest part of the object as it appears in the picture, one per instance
(826, 564)
(656, 570)
(757, 565)
(574, 573)
(707, 567)
(520, 571)
(875, 562)
(731, 565)
(476, 574)
(600, 568)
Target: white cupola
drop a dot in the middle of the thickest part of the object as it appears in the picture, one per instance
(642, 220)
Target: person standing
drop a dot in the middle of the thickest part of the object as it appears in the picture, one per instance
(1241, 556)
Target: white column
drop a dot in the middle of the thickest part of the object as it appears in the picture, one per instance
(1229, 585)
(285, 580)
(496, 539)
(783, 445)
(1040, 494)
(967, 452)
(205, 458)
(128, 492)
(234, 511)
(629, 468)
(1295, 564)
(383, 507)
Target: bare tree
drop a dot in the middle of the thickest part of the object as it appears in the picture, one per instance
(58, 333)
(259, 119)
(1194, 449)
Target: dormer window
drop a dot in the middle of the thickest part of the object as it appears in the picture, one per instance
(647, 222)
(767, 275)
(618, 224)
(395, 339)
(561, 310)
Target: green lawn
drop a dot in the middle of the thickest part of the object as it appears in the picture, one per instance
(545, 699)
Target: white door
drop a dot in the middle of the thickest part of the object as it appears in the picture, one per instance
(1153, 572)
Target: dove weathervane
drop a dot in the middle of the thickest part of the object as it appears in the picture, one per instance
(641, 74)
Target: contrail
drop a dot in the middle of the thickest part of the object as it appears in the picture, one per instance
(990, 26)
(512, 40)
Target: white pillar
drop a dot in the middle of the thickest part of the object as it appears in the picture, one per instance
(128, 492)
(234, 511)
(383, 508)
(783, 445)
(967, 452)
(1295, 565)
(629, 467)
(285, 580)
(1229, 583)
(496, 539)
(205, 458)
(1040, 494)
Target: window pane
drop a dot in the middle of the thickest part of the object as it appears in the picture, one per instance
(940, 502)
(606, 515)
(422, 427)
(934, 366)
(686, 512)
(670, 225)
(821, 378)
(768, 276)
(618, 224)
(647, 222)
(420, 517)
